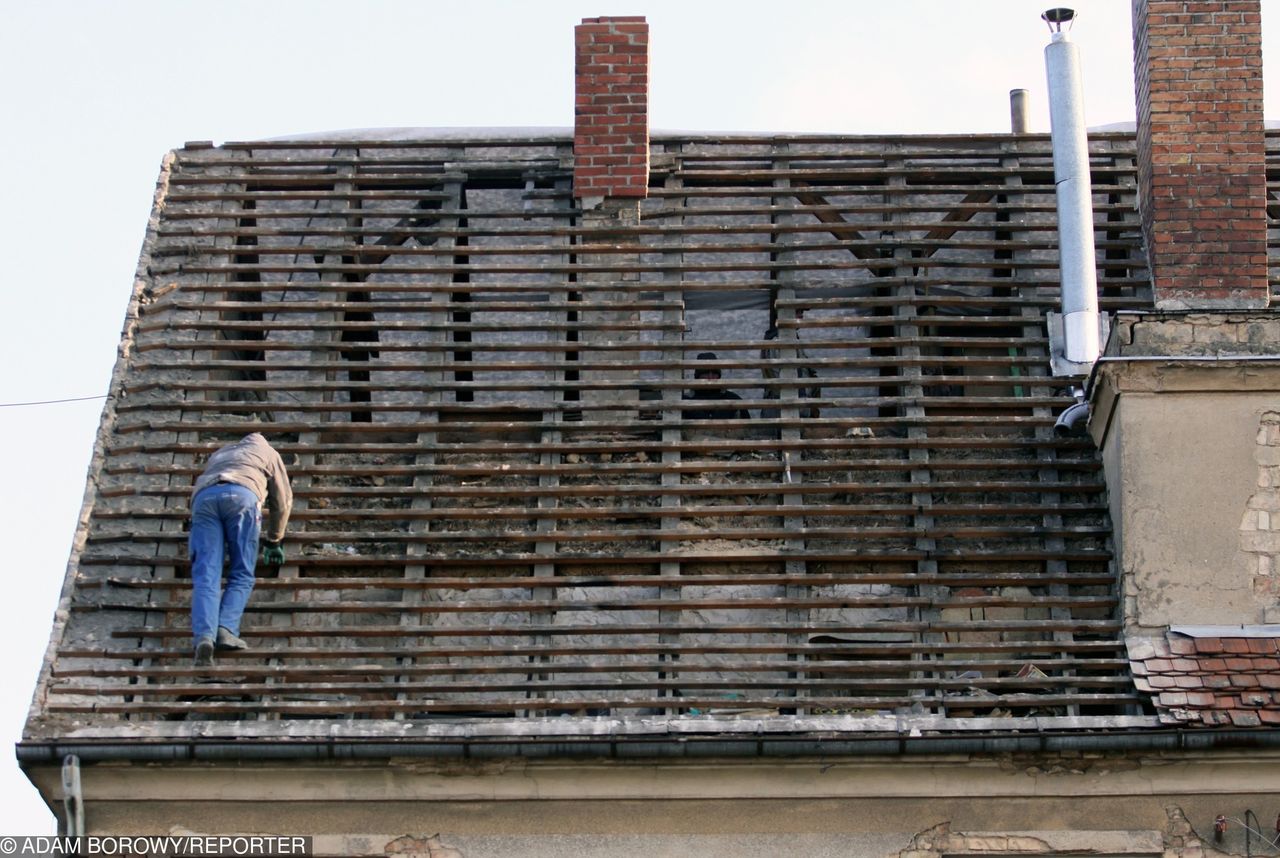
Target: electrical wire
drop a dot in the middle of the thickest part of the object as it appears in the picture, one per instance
(52, 401)
(1250, 830)
(284, 293)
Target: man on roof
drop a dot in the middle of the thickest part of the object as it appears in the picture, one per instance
(711, 373)
(226, 518)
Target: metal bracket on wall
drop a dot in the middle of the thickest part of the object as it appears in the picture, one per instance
(72, 799)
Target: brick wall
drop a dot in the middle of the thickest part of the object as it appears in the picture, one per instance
(1201, 169)
(611, 114)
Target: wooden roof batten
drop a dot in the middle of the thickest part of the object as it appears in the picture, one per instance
(508, 509)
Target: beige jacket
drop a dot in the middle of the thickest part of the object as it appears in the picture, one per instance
(253, 463)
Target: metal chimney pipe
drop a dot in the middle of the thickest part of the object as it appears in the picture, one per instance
(1018, 111)
(1077, 262)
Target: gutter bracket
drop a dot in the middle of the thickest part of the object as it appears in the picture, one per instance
(72, 797)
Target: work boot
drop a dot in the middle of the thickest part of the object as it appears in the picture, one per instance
(204, 653)
(226, 640)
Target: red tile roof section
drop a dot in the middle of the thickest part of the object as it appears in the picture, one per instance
(1209, 681)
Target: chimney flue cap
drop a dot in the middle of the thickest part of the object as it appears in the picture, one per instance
(1055, 18)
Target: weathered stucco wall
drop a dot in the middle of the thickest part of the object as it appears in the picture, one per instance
(1182, 407)
(1186, 471)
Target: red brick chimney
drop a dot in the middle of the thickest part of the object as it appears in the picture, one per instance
(611, 113)
(1201, 164)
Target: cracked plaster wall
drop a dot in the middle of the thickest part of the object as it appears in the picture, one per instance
(1260, 524)
(1179, 480)
(1180, 409)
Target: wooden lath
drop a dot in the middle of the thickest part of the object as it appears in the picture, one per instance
(505, 508)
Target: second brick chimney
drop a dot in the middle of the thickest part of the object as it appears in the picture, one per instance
(1201, 163)
(1183, 403)
(611, 113)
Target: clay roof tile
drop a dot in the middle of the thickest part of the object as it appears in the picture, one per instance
(1140, 649)
(1182, 646)
(1242, 718)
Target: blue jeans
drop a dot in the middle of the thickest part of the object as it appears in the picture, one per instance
(222, 516)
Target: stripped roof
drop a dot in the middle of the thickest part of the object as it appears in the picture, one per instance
(504, 510)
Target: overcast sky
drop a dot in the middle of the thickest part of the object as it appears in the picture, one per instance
(93, 94)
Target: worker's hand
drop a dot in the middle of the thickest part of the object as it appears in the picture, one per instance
(273, 554)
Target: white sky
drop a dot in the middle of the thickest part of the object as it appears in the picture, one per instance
(92, 95)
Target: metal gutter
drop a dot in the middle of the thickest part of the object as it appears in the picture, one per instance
(53, 752)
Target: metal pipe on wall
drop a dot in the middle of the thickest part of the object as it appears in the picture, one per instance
(1074, 191)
